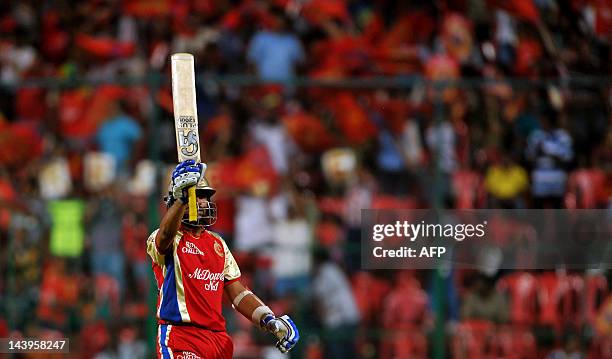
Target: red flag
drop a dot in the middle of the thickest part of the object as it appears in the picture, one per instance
(308, 132)
(523, 9)
(255, 168)
(105, 47)
(352, 119)
(147, 8)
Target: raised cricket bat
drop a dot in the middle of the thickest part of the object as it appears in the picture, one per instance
(186, 116)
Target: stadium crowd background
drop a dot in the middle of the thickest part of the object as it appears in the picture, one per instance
(81, 155)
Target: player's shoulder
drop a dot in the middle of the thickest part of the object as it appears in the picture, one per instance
(220, 239)
(154, 233)
(215, 235)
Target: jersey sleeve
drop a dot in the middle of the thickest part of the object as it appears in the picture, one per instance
(152, 251)
(231, 271)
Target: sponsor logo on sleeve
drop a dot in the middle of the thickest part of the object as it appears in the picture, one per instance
(219, 249)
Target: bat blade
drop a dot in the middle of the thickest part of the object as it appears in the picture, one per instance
(185, 115)
(185, 108)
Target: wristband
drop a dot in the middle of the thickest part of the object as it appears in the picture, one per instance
(259, 312)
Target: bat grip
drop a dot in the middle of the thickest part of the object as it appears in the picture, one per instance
(193, 209)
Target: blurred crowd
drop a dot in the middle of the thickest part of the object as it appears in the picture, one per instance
(478, 104)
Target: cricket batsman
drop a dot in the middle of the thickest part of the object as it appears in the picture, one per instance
(193, 268)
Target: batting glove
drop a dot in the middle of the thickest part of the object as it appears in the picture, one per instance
(185, 175)
(284, 329)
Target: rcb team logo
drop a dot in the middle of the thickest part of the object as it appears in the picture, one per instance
(218, 249)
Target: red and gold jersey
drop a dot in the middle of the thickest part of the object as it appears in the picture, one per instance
(191, 277)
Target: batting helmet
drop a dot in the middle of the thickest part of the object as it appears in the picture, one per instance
(207, 214)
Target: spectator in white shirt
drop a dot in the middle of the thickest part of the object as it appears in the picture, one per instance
(336, 307)
(549, 149)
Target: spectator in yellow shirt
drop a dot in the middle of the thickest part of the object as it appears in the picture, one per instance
(506, 182)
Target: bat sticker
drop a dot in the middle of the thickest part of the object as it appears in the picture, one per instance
(187, 141)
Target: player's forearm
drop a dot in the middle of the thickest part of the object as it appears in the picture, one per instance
(252, 308)
(247, 303)
(169, 225)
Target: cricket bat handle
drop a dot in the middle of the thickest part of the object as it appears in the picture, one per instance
(193, 209)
